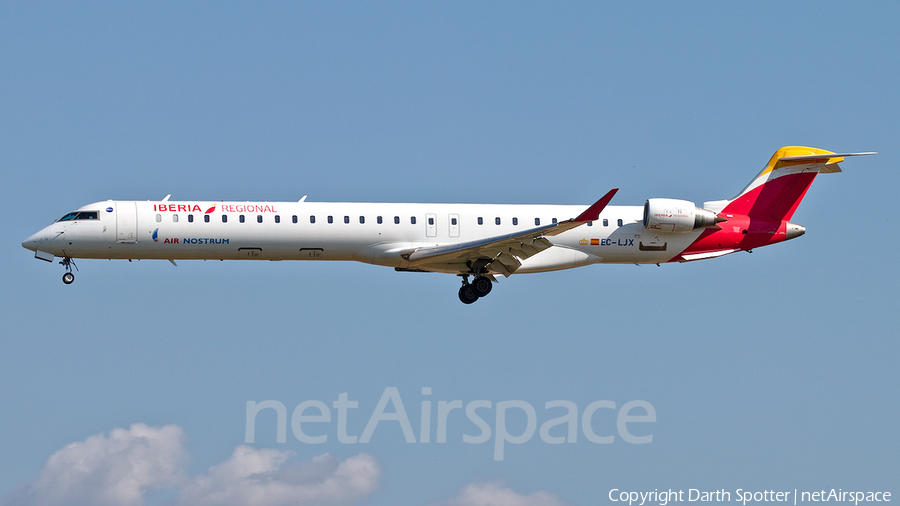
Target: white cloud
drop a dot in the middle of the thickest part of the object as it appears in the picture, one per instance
(119, 469)
(495, 494)
(116, 469)
(263, 477)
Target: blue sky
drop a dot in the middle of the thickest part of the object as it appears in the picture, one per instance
(774, 370)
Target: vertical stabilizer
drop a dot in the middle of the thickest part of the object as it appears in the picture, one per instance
(776, 192)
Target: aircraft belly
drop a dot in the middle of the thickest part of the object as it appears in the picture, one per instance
(629, 244)
(557, 258)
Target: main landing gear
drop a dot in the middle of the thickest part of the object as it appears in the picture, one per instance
(68, 277)
(479, 287)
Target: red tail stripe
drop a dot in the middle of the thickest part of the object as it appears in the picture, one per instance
(776, 199)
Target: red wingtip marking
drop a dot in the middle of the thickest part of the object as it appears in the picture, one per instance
(593, 213)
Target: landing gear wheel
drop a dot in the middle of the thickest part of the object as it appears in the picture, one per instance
(482, 286)
(68, 277)
(467, 294)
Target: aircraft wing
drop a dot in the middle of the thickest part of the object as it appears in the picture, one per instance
(504, 253)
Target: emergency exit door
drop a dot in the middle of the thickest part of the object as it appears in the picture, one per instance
(126, 222)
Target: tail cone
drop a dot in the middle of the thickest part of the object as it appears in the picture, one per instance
(794, 231)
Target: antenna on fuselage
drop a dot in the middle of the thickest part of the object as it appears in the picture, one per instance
(303, 199)
(166, 198)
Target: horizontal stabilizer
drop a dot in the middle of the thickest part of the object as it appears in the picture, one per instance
(824, 158)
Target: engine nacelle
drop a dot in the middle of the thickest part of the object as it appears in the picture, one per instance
(671, 215)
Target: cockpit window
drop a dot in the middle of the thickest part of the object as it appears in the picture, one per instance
(79, 215)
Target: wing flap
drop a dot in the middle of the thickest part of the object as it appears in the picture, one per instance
(505, 252)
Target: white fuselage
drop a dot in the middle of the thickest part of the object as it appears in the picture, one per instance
(374, 233)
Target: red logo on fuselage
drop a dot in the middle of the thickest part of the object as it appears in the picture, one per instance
(177, 208)
(226, 208)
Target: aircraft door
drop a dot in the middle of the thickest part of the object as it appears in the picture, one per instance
(430, 225)
(454, 225)
(126, 222)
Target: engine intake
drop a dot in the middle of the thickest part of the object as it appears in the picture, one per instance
(671, 215)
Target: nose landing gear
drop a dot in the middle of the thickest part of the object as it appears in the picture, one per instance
(68, 277)
(479, 287)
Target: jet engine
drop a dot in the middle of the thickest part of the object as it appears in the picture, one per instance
(671, 215)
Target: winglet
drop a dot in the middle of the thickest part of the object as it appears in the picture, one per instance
(593, 213)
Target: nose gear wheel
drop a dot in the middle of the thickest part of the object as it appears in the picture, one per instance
(68, 277)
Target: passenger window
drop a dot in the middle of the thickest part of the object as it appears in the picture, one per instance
(480, 220)
(224, 218)
(362, 220)
(515, 221)
(277, 218)
(159, 218)
(590, 223)
(431, 221)
(605, 222)
(190, 218)
(241, 218)
(453, 221)
(174, 218)
(396, 220)
(206, 218)
(554, 221)
(379, 220)
(537, 222)
(331, 219)
(619, 222)
(497, 220)
(259, 218)
(312, 218)
(346, 219)
(412, 220)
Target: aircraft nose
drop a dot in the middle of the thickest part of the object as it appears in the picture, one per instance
(37, 241)
(32, 242)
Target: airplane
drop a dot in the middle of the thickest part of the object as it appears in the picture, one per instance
(468, 240)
